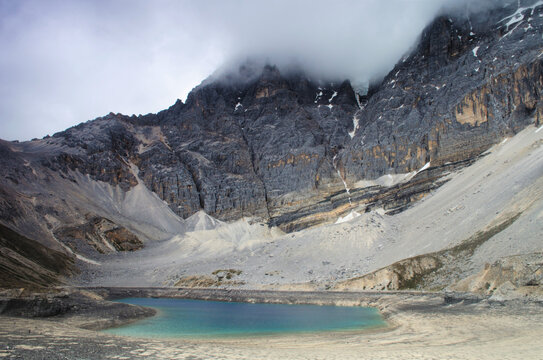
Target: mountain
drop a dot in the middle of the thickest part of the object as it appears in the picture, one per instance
(277, 146)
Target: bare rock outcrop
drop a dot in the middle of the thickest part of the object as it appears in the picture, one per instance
(510, 277)
(274, 144)
(433, 271)
(100, 234)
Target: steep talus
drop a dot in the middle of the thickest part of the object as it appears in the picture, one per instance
(277, 146)
(490, 232)
(429, 271)
(483, 213)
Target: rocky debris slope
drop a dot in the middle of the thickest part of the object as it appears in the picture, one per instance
(509, 277)
(272, 144)
(486, 211)
(489, 212)
(432, 271)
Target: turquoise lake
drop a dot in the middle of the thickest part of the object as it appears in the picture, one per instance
(198, 318)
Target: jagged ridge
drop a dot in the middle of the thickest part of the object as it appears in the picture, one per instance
(294, 151)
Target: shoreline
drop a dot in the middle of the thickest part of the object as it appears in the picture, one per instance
(228, 337)
(379, 299)
(427, 325)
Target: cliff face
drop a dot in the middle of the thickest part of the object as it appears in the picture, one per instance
(245, 144)
(467, 84)
(236, 148)
(276, 145)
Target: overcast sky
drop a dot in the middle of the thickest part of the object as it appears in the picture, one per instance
(65, 62)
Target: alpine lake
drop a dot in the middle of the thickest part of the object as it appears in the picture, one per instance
(182, 318)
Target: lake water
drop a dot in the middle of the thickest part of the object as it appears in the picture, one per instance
(198, 318)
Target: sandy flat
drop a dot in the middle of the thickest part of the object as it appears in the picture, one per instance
(417, 331)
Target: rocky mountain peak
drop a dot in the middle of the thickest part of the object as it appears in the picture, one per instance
(268, 141)
(270, 73)
(252, 85)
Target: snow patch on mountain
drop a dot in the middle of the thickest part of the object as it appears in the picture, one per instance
(350, 216)
(355, 126)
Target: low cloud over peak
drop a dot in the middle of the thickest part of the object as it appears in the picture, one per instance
(356, 39)
(67, 62)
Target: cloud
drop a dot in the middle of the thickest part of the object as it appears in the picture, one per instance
(355, 39)
(65, 62)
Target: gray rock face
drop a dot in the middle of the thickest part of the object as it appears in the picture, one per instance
(469, 82)
(274, 144)
(234, 149)
(248, 143)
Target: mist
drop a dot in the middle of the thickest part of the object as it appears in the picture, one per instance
(67, 62)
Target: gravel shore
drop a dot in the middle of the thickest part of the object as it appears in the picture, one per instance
(422, 326)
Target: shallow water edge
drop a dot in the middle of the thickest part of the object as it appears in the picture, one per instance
(388, 303)
(91, 308)
(187, 318)
(476, 328)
